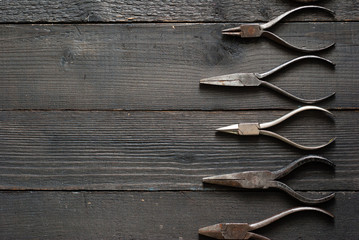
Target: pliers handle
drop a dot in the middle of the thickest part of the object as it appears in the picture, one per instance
(285, 93)
(289, 168)
(285, 117)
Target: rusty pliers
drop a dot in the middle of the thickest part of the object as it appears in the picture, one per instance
(255, 80)
(257, 30)
(241, 231)
(259, 128)
(268, 179)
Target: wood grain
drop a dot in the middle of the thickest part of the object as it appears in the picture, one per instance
(119, 150)
(105, 132)
(158, 67)
(164, 11)
(165, 215)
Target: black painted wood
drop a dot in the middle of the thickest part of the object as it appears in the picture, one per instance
(119, 150)
(158, 67)
(164, 215)
(164, 11)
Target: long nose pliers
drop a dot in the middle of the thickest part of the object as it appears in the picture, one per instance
(252, 129)
(256, 79)
(241, 231)
(258, 30)
(267, 179)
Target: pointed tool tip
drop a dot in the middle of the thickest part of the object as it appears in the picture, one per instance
(205, 179)
(233, 29)
(213, 231)
(229, 129)
(203, 230)
(231, 33)
(203, 81)
(221, 129)
(208, 179)
(210, 80)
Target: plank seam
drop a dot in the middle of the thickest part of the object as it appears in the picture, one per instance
(164, 22)
(341, 109)
(186, 190)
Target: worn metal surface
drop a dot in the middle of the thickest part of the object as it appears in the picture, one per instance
(254, 80)
(258, 30)
(267, 179)
(241, 231)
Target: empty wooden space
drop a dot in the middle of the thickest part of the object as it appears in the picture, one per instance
(105, 132)
(60, 11)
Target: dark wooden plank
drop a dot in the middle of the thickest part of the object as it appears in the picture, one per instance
(118, 150)
(163, 11)
(164, 215)
(158, 66)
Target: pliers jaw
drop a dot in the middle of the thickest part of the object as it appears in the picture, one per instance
(223, 80)
(244, 31)
(250, 129)
(247, 180)
(233, 129)
(233, 80)
(226, 231)
(213, 231)
(231, 180)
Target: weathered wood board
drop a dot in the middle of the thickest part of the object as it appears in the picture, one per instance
(137, 150)
(105, 132)
(166, 11)
(158, 67)
(165, 215)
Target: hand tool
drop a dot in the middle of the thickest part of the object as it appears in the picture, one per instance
(258, 128)
(257, 30)
(241, 231)
(254, 80)
(267, 179)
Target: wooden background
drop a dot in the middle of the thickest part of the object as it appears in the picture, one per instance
(105, 132)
